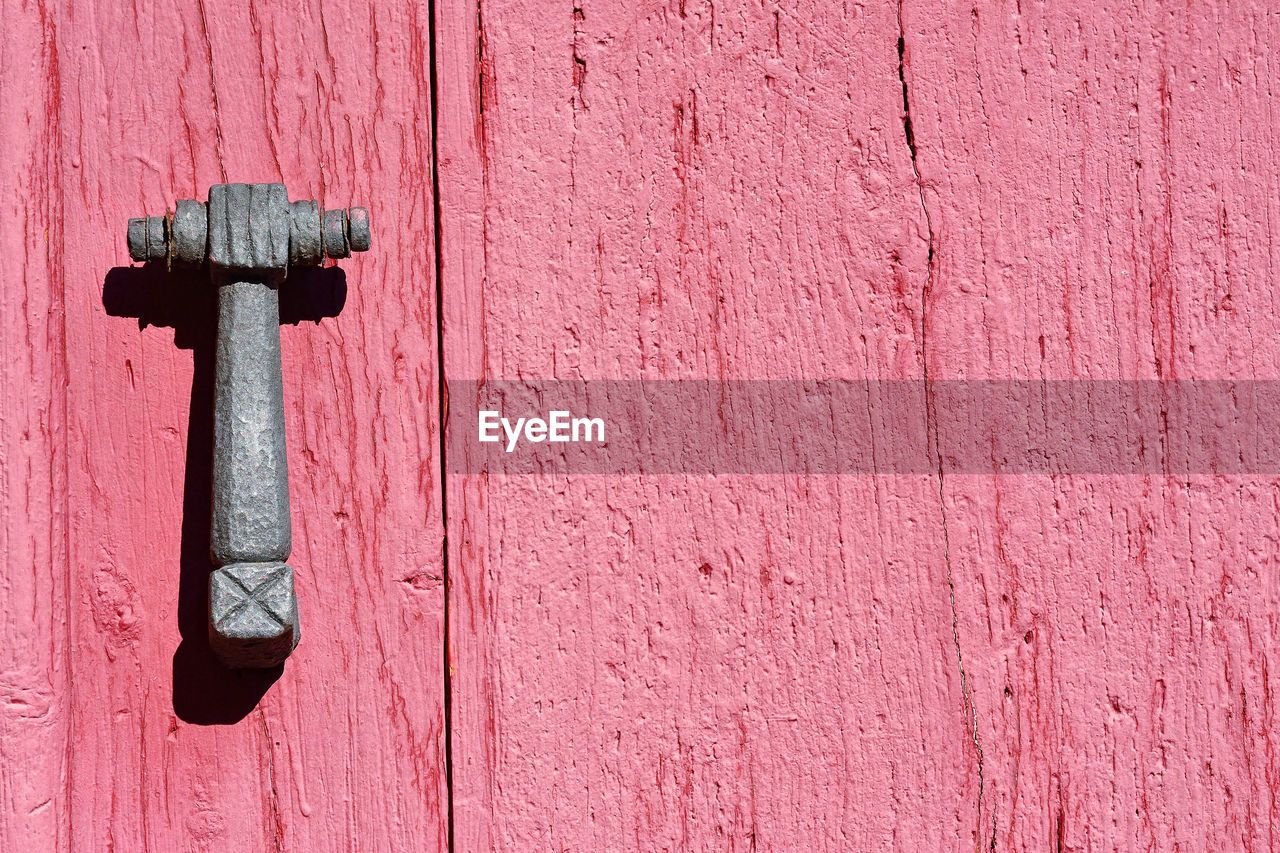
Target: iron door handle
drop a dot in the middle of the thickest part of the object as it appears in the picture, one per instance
(249, 235)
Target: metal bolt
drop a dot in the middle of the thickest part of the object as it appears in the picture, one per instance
(358, 229)
(148, 238)
(181, 237)
(249, 235)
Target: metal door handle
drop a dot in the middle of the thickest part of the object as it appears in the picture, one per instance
(250, 235)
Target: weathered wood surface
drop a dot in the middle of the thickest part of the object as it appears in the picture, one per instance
(695, 189)
(118, 731)
(689, 190)
(34, 684)
(1101, 183)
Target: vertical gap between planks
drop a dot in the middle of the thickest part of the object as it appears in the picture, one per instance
(442, 396)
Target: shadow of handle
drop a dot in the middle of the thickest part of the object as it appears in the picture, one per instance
(204, 691)
(185, 300)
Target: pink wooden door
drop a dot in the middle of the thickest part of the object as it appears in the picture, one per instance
(917, 659)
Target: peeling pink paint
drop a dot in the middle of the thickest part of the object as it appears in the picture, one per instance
(924, 660)
(728, 192)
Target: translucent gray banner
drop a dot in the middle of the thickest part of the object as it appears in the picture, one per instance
(1176, 428)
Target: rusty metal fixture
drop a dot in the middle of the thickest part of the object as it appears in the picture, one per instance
(249, 235)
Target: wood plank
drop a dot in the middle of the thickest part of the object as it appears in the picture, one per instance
(34, 701)
(732, 662)
(1102, 183)
(685, 191)
(346, 749)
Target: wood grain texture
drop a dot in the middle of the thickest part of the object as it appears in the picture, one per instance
(807, 189)
(34, 696)
(729, 662)
(689, 190)
(124, 733)
(1101, 182)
